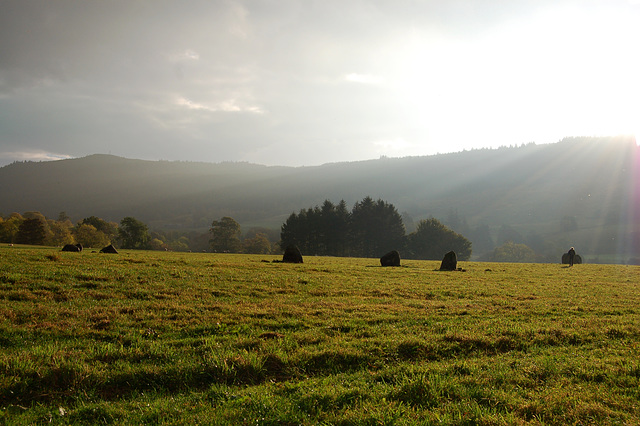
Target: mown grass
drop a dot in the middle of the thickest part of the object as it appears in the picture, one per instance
(182, 338)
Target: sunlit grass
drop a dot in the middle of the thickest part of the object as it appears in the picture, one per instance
(147, 337)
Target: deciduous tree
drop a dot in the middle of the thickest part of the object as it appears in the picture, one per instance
(225, 235)
(109, 229)
(133, 234)
(259, 244)
(431, 240)
(9, 228)
(60, 233)
(157, 244)
(512, 252)
(89, 236)
(31, 231)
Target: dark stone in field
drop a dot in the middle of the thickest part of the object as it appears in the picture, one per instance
(576, 260)
(391, 259)
(292, 255)
(71, 247)
(109, 249)
(449, 262)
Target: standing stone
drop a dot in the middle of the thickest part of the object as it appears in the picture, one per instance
(391, 259)
(449, 262)
(109, 249)
(577, 260)
(292, 255)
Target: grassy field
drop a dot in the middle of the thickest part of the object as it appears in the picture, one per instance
(185, 338)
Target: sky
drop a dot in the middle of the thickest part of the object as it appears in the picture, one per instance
(308, 82)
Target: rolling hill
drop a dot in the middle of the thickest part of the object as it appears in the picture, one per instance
(531, 189)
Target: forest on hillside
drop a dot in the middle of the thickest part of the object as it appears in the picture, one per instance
(577, 192)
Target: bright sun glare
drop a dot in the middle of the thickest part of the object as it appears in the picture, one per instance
(563, 73)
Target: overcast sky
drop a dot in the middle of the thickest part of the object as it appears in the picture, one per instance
(306, 82)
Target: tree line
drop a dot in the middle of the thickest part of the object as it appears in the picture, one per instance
(33, 228)
(370, 229)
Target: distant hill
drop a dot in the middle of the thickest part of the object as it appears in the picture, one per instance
(576, 191)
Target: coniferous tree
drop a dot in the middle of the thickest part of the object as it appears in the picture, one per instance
(291, 232)
(361, 224)
(376, 228)
(339, 230)
(325, 232)
(371, 229)
(312, 231)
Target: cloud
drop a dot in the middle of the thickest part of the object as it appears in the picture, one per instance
(301, 82)
(8, 157)
(229, 105)
(364, 78)
(186, 55)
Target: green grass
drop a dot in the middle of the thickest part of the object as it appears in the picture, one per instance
(182, 338)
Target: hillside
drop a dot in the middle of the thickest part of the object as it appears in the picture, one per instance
(530, 189)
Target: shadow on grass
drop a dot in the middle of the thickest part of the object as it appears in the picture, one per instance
(454, 346)
(66, 382)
